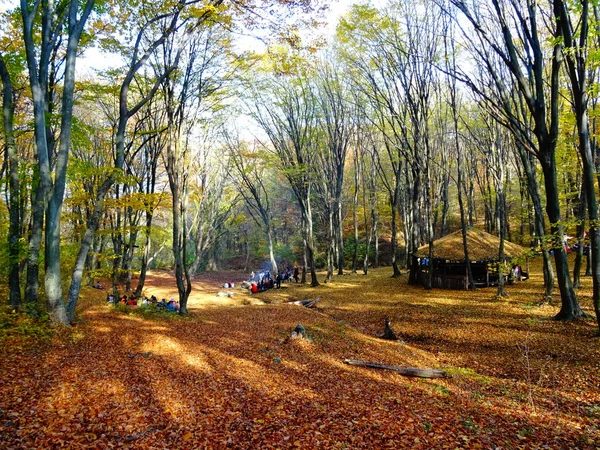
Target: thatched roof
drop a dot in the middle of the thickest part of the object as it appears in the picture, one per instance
(482, 247)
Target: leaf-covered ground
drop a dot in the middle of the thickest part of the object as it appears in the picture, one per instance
(226, 377)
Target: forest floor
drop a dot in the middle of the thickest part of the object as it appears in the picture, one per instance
(227, 377)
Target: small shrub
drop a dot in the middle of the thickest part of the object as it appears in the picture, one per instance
(427, 426)
(147, 312)
(470, 424)
(442, 390)
(20, 330)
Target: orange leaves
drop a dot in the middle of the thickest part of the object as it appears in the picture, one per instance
(225, 379)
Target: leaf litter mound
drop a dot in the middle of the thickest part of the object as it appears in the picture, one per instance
(228, 377)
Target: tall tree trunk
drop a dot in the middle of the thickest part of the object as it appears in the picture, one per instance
(145, 255)
(592, 204)
(14, 211)
(357, 169)
(310, 243)
(580, 213)
(394, 206)
(86, 242)
(340, 237)
(35, 245)
(539, 223)
(274, 268)
(304, 252)
(331, 244)
(502, 230)
(570, 308)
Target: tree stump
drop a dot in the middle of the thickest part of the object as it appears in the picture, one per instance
(388, 333)
(299, 332)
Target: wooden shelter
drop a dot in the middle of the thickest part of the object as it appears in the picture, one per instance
(448, 261)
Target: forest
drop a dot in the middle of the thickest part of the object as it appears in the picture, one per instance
(198, 141)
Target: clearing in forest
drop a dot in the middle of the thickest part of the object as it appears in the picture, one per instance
(229, 377)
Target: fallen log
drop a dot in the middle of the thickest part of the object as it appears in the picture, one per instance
(402, 370)
(308, 303)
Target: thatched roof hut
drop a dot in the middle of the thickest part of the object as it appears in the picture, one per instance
(448, 262)
(482, 246)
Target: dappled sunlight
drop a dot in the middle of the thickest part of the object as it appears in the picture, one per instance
(517, 378)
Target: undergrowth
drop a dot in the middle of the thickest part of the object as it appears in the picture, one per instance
(149, 312)
(19, 330)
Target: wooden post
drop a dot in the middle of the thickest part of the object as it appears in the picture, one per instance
(487, 276)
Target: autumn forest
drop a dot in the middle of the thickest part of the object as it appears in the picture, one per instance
(300, 224)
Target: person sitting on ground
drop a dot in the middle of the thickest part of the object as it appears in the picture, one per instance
(110, 298)
(153, 300)
(132, 302)
(172, 306)
(254, 288)
(226, 286)
(99, 285)
(123, 300)
(162, 304)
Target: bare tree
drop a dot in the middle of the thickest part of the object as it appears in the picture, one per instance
(335, 120)
(14, 203)
(513, 36)
(288, 118)
(573, 25)
(250, 177)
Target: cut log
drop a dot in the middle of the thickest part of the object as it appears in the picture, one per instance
(402, 370)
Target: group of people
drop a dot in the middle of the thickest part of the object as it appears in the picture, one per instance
(263, 280)
(133, 302)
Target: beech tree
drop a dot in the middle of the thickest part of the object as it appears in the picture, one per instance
(250, 176)
(287, 116)
(144, 46)
(573, 25)
(40, 42)
(14, 205)
(335, 121)
(513, 36)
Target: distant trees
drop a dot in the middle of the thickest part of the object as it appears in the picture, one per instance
(288, 118)
(414, 109)
(512, 35)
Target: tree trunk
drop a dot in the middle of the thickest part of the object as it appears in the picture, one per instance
(304, 256)
(580, 213)
(569, 305)
(331, 245)
(590, 196)
(393, 205)
(357, 168)
(88, 237)
(14, 204)
(539, 223)
(340, 237)
(310, 245)
(274, 268)
(145, 256)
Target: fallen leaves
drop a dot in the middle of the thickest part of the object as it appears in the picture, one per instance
(226, 378)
